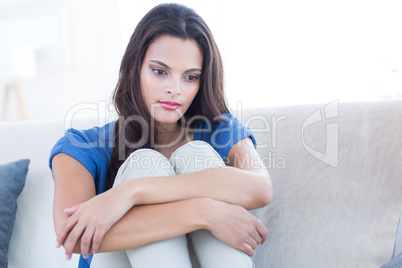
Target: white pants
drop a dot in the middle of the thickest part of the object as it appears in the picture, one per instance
(204, 249)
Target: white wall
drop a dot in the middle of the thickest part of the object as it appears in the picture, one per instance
(86, 49)
(274, 52)
(292, 52)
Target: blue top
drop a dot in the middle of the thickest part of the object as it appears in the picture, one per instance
(93, 148)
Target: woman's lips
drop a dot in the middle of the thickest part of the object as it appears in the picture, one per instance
(169, 105)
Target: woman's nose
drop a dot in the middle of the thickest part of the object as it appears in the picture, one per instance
(174, 88)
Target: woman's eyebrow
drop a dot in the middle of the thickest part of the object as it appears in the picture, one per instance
(161, 63)
(167, 67)
(193, 70)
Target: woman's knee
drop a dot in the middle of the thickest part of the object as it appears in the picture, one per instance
(144, 163)
(195, 156)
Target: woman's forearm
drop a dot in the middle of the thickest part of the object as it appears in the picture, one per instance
(150, 223)
(232, 224)
(245, 188)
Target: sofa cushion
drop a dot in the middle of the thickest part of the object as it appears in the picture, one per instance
(12, 181)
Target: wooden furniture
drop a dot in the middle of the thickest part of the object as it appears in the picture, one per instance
(20, 98)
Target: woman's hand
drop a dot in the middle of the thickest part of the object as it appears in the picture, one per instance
(235, 226)
(90, 221)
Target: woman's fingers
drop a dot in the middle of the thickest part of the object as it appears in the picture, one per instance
(255, 239)
(65, 230)
(87, 224)
(248, 249)
(97, 239)
(86, 240)
(257, 235)
(72, 210)
(236, 227)
(74, 229)
(90, 234)
(262, 230)
(72, 238)
(252, 242)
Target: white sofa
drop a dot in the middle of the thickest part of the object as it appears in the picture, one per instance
(337, 185)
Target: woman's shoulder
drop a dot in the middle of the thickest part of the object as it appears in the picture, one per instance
(79, 141)
(217, 122)
(230, 118)
(106, 129)
(225, 124)
(94, 136)
(225, 131)
(227, 120)
(91, 147)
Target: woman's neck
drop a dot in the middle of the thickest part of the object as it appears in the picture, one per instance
(169, 134)
(172, 137)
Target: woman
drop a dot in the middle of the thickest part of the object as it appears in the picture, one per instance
(137, 186)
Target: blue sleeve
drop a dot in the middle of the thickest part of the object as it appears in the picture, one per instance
(92, 148)
(223, 135)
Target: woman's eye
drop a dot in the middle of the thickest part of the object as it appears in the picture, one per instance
(159, 72)
(191, 77)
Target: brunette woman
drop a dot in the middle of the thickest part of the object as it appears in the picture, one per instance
(170, 183)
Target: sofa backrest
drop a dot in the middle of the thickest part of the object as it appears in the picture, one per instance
(336, 175)
(337, 183)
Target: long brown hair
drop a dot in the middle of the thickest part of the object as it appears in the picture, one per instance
(133, 128)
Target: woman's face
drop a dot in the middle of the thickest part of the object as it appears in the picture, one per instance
(170, 77)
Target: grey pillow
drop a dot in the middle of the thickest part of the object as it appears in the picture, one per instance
(12, 181)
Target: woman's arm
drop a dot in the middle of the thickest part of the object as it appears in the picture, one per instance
(248, 184)
(89, 223)
(146, 224)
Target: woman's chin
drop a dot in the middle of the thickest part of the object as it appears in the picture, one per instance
(164, 116)
(167, 118)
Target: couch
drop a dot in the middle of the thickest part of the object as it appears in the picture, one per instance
(335, 168)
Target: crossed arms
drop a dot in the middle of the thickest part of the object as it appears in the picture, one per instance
(145, 210)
